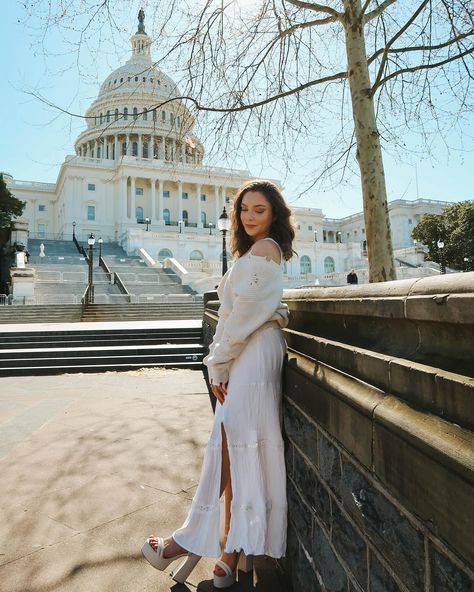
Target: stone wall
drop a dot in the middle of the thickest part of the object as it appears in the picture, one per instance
(378, 421)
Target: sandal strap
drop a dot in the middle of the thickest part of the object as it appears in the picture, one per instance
(223, 565)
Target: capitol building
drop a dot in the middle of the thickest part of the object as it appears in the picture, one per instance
(138, 177)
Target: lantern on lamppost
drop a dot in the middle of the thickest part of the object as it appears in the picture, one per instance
(440, 245)
(147, 222)
(210, 228)
(224, 224)
(91, 243)
(100, 241)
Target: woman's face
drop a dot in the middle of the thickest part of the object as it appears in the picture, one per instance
(256, 215)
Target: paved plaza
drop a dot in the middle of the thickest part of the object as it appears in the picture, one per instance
(90, 465)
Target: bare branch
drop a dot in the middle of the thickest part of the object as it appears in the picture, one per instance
(424, 66)
(398, 34)
(376, 12)
(442, 45)
(316, 7)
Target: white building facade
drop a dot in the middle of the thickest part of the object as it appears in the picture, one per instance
(138, 177)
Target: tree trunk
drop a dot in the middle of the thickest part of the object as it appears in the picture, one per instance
(369, 152)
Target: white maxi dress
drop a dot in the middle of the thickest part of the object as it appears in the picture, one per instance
(247, 351)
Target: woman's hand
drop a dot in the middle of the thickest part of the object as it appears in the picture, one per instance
(220, 391)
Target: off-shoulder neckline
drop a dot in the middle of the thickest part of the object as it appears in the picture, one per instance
(263, 258)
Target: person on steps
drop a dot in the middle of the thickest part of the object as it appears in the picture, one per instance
(244, 458)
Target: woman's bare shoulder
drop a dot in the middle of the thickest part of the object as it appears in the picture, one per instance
(267, 249)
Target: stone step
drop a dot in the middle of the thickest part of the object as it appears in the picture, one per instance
(112, 346)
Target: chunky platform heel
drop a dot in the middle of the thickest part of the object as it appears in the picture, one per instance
(155, 558)
(181, 574)
(244, 564)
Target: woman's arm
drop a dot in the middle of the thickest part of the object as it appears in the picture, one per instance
(257, 296)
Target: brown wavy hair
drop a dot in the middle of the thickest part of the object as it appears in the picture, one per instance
(282, 228)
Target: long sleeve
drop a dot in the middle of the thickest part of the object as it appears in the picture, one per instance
(257, 299)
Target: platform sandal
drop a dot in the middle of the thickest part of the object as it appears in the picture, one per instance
(156, 559)
(244, 564)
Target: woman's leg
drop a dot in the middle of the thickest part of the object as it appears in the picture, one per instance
(226, 489)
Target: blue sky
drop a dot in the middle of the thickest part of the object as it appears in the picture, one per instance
(36, 138)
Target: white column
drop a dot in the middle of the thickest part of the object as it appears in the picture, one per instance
(127, 140)
(151, 147)
(223, 202)
(161, 148)
(117, 149)
(133, 207)
(124, 199)
(95, 148)
(217, 212)
(160, 200)
(180, 201)
(153, 200)
(140, 146)
(198, 206)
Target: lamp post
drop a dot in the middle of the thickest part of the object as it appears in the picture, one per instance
(73, 230)
(100, 241)
(315, 236)
(147, 222)
(91, 243)
(466, 263)
(180, 225)
(223, 224)
(338, 237)
(442, 266)
(210, 228)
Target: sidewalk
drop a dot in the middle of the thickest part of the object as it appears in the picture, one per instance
(90, 465)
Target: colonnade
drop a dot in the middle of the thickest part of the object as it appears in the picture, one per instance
(147, 146)
(156, 210)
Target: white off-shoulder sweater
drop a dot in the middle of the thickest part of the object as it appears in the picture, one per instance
(250, 295)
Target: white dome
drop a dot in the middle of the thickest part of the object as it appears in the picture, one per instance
(134, 100)
(141, 79)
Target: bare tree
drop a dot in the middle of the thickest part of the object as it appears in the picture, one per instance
(273, 75)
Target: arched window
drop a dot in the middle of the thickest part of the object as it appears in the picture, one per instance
(145, 114)
(135, 113)
(185, 217)
(116, 114)
(98, 151)
(100, 118)
(305, 264)
(125, 113)
(164, 253)
(139, 214)
(145, 150)
(135, 149)
(196, 255)
(203, 218)
(108, 116)
(124, 148)
(166, 216)
(329, 266)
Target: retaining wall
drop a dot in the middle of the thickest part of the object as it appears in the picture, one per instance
(378, 417)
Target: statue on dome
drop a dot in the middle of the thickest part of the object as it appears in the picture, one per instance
(141, 19)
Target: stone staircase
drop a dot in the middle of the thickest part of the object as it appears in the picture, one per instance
(62, 274)
(105, 347)
(57, 313)
(145, 284)
(143, 312)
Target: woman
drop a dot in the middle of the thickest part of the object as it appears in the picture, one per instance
(244, 456)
